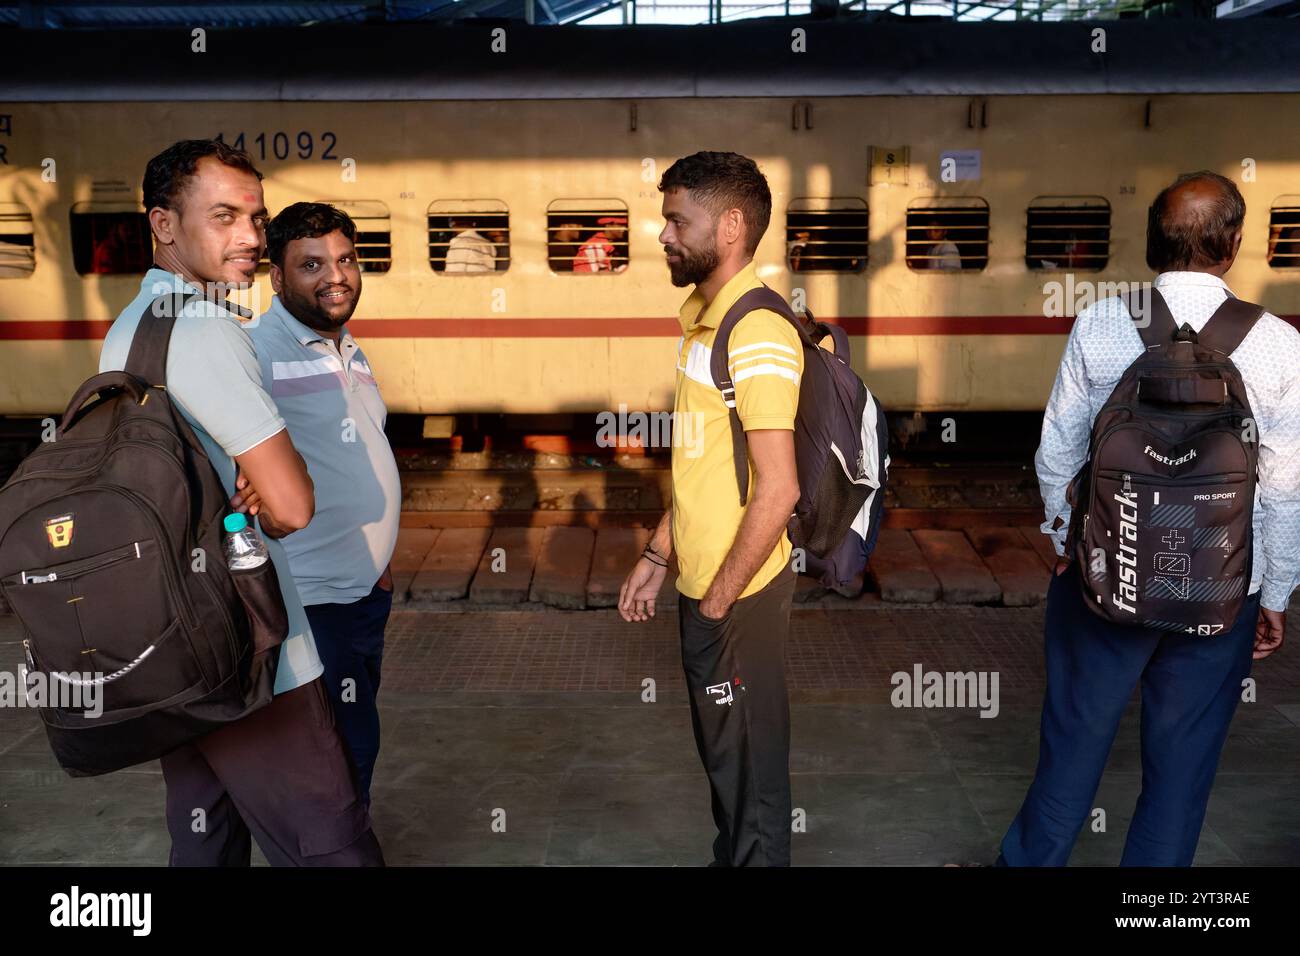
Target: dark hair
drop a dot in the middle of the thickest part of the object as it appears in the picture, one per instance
(305, 220)
(171, 170)
(722, 181)
(1197, 234)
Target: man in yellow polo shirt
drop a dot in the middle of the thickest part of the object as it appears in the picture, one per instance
(736, 583)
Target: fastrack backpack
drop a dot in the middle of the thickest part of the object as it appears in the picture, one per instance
(841, 444)
(111, 557)
(1162, 526)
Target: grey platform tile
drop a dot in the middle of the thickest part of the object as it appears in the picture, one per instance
(648, 739)
(632, 819)
(1260, 740)
(862, 739)
(1258, 816)
(48, 817)
(1008, 743)
(418, 748)
(886, 820)
(1290, 711)
(451, 821)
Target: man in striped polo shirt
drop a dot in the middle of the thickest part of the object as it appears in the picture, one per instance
(323, 386)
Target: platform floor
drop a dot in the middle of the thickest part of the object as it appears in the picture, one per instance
(540, 714)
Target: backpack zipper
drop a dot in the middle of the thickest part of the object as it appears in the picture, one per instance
(1231, 477)
(72, 569)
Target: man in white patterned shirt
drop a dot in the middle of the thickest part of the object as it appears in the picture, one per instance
(1190, 688)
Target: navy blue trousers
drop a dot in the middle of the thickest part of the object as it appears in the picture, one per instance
(1190, 689)
(350, 641)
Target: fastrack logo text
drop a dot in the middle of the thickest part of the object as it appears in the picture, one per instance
(1126, 558)
(1170, 461)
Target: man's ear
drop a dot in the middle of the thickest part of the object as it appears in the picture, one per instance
(277, 279)
(162, 225)
(733, 226)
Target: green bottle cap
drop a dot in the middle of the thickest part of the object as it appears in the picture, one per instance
(235, 522)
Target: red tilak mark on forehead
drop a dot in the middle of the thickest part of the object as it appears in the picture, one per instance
(249, 197)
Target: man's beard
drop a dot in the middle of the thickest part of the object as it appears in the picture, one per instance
(308, 311)
(694, 269)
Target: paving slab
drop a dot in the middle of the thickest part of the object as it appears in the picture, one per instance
(1041, 545)
(616, 551)
(961, 573)
(1017, 569)
(505, 571)
(560, 579)
(413, 546)
(450, 564)
(900, 570)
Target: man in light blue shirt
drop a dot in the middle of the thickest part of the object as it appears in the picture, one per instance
(324, 388)
(282, 771)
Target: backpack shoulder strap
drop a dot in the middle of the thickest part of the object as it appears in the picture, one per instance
(1151, 315)
(753, 300)
(147, 358)
(1229, 325)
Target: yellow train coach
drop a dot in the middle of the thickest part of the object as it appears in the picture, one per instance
(950, 195)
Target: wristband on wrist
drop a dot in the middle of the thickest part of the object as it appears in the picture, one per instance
(653, 556)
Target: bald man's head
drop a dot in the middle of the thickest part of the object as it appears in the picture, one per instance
(1195, 224)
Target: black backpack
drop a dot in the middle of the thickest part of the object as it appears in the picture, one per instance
(1162, 529)
(841, 444)
(102, 532)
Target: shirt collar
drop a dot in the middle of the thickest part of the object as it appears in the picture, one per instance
(302, 332)
(1184, 279)
(161, 282)
(693, 314)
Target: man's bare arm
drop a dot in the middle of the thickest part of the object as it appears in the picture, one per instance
(774, 493)
(275, 486)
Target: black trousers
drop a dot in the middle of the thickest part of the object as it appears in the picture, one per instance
(284, 772)
(740, 711)
(350, 641)
(1190, 689)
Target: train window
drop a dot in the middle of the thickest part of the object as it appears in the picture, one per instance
(947, 234)
(587, 235)
(469, 236)
(374, 232)
(1284, 233)
(17, 241)
(826, 235)
(1071, 233)
(110, 239)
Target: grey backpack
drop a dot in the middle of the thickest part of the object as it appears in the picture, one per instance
(841, 443)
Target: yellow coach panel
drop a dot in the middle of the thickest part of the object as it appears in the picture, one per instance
(530, 340)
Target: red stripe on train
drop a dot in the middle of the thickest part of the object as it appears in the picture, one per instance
(582, 328)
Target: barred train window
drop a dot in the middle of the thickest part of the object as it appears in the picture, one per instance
(110, 239)
(1284, 233)
(826, 235)
(947, 234)
(17, 241)
(1071, 233)
(587, 235)
(374, 232)
(469, 236)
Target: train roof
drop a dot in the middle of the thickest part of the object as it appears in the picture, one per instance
(749, 58)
